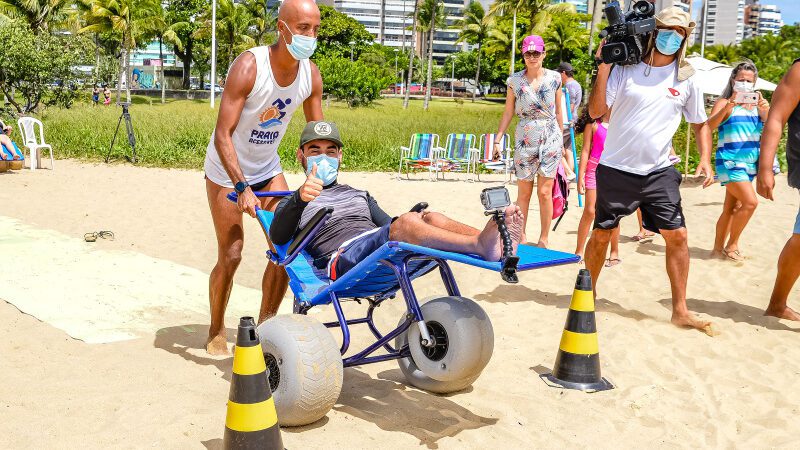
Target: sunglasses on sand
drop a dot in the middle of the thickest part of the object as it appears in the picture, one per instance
(532, 55)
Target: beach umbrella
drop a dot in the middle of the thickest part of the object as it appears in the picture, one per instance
(712, 77)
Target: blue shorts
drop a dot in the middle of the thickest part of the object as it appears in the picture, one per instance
(735, 171)
(352, 253)
(797, 223)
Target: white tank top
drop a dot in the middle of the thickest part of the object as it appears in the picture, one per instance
(262, 125)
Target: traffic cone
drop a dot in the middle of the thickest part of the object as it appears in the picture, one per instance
(252, 422)
(578, 361)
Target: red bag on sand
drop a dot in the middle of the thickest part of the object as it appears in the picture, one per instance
(560, 195)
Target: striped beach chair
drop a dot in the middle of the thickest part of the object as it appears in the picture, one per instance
(487, 159)
(460, 153)
(422, 152)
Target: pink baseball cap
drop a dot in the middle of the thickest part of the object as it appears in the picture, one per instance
(533, 43)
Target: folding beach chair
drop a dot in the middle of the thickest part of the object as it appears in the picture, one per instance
(441, 346)
(460, 154)
(422, 152)
(487, 160)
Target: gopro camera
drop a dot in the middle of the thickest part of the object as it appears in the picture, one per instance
(495, 198)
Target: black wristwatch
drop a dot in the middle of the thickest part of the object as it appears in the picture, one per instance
(240, 186)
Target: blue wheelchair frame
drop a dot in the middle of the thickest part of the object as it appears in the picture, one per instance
(377, 278)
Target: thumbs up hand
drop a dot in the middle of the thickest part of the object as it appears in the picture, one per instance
(312, 187)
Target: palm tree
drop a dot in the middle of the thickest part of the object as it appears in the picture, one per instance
(538, 11)
(411, 52)
(474, 29)
(39, 14)
(165, 32)
(263, 20)
(233, 25)
(129, 20)
(597, 15)
(432, 13)
(725, 54)
(564, 35)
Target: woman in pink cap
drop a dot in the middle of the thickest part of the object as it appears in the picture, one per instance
(534, 94)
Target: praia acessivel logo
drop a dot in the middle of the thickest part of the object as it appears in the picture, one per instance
(270, 117)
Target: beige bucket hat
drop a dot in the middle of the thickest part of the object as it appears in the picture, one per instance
(677, 17)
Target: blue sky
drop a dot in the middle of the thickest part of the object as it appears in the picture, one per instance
(790, 9)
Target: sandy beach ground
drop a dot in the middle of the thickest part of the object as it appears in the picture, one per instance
(675, 388)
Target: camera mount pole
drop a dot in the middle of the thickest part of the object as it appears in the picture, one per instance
(509, 260)
(129, 129)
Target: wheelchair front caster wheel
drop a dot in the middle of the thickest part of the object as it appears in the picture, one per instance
(304, 365)
(463, 344)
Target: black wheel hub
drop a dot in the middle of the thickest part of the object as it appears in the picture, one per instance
(437, 349)
(273, 372)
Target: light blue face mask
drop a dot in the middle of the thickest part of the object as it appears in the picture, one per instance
(668, 41)
(302, 47)
(327, 168)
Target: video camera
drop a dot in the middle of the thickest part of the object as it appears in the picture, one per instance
(627, 33)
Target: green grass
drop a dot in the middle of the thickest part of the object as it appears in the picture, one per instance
(176, 134)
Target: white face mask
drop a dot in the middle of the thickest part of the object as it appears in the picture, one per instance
(743, 86)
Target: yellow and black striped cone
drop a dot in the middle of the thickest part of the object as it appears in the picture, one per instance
(578, 361)
(252, 422)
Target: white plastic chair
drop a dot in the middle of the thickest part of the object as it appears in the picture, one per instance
(27, 127)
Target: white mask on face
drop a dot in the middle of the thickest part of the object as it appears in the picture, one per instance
(743, 86)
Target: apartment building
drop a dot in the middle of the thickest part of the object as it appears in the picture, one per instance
(761, 19)
(390, 21)
(725, 22)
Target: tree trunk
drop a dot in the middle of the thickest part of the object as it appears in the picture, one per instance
(119, 74)
(96, 59)
(430, 62)
(186, 59)
(477, 73)
(128, 75)
(597, 14)
(163, 78)
(411, 55)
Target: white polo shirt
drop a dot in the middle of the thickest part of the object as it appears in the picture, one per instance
(646, 112)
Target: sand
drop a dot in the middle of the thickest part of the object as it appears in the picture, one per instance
(675, 388)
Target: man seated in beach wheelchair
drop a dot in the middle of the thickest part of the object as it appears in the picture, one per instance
(353, 249)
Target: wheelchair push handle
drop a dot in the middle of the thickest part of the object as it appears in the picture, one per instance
(234, 197)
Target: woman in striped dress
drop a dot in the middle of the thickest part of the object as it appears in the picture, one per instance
(738, 148)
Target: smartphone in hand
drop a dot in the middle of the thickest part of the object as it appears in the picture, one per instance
(746, 98)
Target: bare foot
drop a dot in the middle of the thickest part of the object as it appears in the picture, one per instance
(490, 243)
(541, 244)
(786, 313)
(690, 321)
(717, 254)
(217, 346)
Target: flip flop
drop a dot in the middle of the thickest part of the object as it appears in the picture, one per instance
(643, 239)
(734, 256)
(611, 262)
(92, 237)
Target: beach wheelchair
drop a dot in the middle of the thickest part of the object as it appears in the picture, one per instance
(441, 345)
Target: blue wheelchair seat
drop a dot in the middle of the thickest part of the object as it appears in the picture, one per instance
(377, 275)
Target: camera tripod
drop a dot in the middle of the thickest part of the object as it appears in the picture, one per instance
(509, 260)
(129, 128)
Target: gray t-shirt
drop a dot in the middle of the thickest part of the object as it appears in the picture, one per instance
(575, 97)
(793, 146)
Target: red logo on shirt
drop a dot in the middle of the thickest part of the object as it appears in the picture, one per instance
(674, 92)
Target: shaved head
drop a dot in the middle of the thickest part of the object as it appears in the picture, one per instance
(301, 16)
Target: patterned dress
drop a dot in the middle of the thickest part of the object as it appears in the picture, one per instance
(538, 135)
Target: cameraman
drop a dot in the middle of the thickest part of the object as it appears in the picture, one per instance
(648, 99)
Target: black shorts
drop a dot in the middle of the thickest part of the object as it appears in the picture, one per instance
(620, 194)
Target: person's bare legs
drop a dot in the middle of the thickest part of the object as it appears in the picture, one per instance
(275, 280)
(439, 220)
(678, 272)
(643, 233)
(411, 228)
(587, 219)
(747, 203)
(723, 224)
(230, 240)
(524, 193)
(544, 190)
(5, 141)
(788, 272)
(613, 256)
(596, 254)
